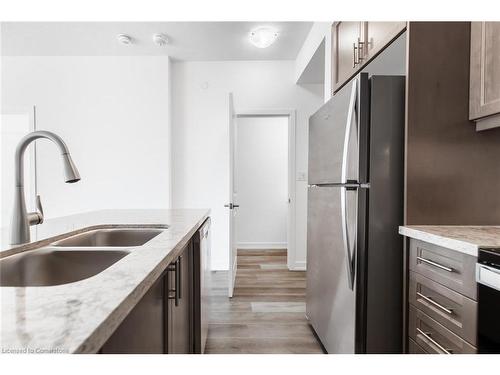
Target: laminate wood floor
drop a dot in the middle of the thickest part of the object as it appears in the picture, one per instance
(266, 313)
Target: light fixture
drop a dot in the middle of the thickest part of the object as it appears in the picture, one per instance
(263, 37)
(124, 39)
(160, 39)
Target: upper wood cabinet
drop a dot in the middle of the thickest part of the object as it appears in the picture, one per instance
(354, 44)
(346, 37)
(484, 99)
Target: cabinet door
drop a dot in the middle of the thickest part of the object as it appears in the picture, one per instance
(142, 330)
(345, 57)
(380, 34)
(484, 69)
(180, 305)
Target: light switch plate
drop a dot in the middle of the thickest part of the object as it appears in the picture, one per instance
(301, 176)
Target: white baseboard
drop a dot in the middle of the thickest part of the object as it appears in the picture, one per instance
(298, 266)
(261, 245)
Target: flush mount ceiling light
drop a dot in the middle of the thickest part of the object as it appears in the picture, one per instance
(263, 37)
(160, 39)
(124, 39)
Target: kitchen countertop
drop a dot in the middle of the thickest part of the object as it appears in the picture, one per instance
(466, 239)
(79, 317)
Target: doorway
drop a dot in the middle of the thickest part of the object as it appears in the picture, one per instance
(263, 189)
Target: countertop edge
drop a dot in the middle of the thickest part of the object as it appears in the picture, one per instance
(450, 243)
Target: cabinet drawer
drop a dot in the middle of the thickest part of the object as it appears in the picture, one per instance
(433, 337)
(414, 348)
(453, 310)
(450, 268)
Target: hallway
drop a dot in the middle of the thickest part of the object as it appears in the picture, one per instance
(267, 312)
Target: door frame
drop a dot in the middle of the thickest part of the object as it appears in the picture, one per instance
(291, 216)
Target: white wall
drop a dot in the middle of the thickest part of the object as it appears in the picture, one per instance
(261, 173)
(312, 42)
(200, 135)
(391, 61)
(113, 113)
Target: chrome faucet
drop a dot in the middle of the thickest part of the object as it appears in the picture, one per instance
(21, 219)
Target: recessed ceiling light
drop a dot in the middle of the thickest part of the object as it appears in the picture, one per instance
(263, 37)
(160, 39)
(124, 39)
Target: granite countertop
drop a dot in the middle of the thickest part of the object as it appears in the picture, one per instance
(79, 317)
(466, 239)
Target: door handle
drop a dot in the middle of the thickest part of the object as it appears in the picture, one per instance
(350, 258)
(231, 206)
(351, 114)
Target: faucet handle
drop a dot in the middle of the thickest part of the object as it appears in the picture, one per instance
(39, 208)
(35, 218)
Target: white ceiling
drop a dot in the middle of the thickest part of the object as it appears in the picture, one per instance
(188, 40)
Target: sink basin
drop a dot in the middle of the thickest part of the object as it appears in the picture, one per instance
(49, 266)
(116, 237)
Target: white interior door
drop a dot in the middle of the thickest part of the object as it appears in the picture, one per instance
(231, 205)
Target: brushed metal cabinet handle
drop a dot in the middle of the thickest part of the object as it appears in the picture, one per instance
(354, 62)
(360, 50)
(172, 292)
(434, 342)
(179, 273)
(175, 268)
(434, 303)
(437, 265)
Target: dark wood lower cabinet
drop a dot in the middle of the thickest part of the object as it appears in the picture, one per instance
(179, 304)
(163, 320)
(142, 330)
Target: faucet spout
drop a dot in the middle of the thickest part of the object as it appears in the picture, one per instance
(21, 219)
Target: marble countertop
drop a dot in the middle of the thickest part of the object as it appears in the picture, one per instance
(79, 317)
(466, 239)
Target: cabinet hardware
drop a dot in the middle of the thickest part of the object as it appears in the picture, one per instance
(179, 276)
(434, 303)
(354, 62)
(434, 342)
(437, 265)
(361, 53)
(174, 267)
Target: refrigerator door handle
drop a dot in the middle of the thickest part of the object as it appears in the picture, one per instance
(348, 127)
(345, 239)
(343, 194)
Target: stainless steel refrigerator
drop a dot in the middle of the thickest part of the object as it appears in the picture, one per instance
(355, 205)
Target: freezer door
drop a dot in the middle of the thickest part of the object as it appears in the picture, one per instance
(333, 139)
(330, 301)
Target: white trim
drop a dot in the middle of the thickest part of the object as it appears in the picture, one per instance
(261, 245)
(298, 266)
(292, 146)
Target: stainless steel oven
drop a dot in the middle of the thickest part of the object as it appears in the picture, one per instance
(488, 279)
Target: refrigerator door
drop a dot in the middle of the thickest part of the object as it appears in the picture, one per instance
(333, 139)
(330, 300)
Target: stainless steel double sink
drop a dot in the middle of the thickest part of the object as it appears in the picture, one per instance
(74, 258)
